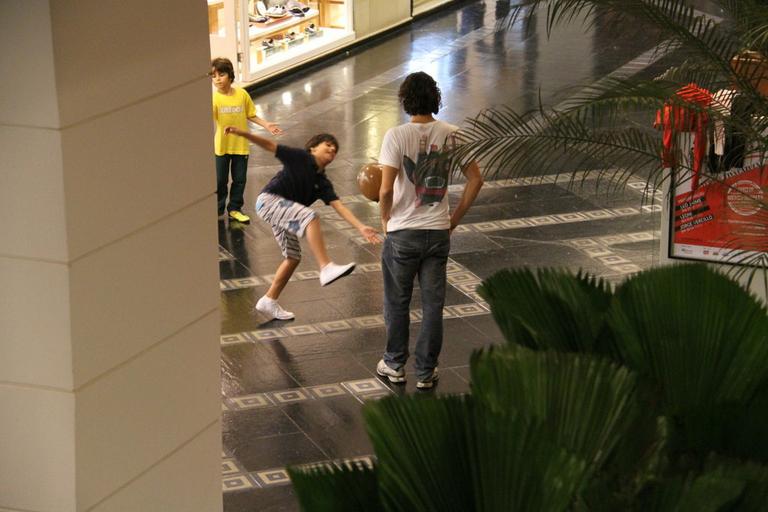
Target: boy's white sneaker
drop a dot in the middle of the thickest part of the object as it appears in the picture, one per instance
(332, 272)
(270, 307)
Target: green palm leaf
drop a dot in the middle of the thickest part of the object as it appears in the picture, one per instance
(586, 403)
(508, 143)
(421, 446)
(750, 19)
(707, 492)
(336, 488)
(754, 477)
(549, 309)
(701, 341)
(743, 429)
(446, 454)
(698, 334)
(519, 467)
(639, 458)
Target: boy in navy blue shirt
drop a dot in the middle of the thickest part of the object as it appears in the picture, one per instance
(284, 204)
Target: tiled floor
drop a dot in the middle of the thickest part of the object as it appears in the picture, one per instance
(292, 391)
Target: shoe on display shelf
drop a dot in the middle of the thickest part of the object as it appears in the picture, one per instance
(280, 41)
(261, 9)
(295, 5)
(311, 29)
(277, 11)
(293, 37)
(257, 19)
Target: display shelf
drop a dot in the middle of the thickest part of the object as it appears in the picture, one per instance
(284, 44)
(277, 25)
(263, 63)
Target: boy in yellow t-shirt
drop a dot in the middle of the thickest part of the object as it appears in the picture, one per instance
(232, 106)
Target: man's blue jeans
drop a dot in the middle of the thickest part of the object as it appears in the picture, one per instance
(409, 253)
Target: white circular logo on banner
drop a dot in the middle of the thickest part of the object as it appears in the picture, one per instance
(744, 197)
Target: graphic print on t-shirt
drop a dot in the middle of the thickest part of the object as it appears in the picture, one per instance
(429, 174)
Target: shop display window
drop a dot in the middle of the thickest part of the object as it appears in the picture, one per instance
(280, 31)
(265, 37)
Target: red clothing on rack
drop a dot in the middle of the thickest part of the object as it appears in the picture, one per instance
(676, 118)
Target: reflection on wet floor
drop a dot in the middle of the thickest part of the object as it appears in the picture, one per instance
(292, 391)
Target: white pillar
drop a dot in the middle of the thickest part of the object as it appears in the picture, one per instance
(109, 352)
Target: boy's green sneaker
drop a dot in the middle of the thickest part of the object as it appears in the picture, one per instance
(239, 217)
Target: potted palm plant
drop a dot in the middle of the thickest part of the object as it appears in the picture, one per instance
(652, 396)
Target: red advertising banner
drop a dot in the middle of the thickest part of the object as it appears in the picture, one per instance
(721, 218)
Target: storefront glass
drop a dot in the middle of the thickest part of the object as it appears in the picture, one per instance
(266, 37)
(280, 33)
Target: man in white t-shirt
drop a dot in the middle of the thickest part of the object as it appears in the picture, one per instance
(416, 218)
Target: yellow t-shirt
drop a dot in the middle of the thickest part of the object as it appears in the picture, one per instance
(231, 110)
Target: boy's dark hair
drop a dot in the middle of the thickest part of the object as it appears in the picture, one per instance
(224, 65)
(319, 139)
(419, 94)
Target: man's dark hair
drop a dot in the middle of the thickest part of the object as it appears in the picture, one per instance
(223, 65)
(319, 139)
(419, 94)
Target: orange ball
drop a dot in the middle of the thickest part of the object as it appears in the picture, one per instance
(369, 181)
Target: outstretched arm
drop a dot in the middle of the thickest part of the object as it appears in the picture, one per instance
(368, 232)
(474, 182)
(260, 141)
(267, 125)
(386, 193)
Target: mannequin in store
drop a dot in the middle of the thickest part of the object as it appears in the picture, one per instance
(232, 106)
(284, 204)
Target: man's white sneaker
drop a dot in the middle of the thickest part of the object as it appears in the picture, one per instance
(332, 272)
(270, 307)
(428, 382)
(394, 376)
